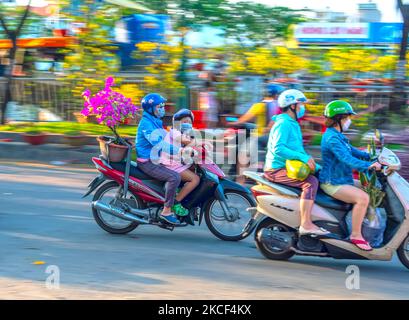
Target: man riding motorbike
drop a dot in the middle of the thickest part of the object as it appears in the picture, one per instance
(149, 142)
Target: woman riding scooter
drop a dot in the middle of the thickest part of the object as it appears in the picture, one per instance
(285, 143)
(339, 158)
(149, 142)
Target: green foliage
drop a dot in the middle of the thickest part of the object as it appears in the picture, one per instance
(91, 58)
(67, 128)
(376, 195)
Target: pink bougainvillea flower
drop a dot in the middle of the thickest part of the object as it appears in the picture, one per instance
(86, 93)
(109, 82)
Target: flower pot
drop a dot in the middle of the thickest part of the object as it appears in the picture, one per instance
(111, 151)
(34, 139)
(59, 32)
(75, 141)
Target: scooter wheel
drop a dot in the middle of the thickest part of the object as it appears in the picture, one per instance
(403, 252)
(267, 251)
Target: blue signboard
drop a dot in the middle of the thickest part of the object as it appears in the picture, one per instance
(385, 32)
(363, 33)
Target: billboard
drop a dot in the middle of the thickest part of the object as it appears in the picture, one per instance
(343, 33)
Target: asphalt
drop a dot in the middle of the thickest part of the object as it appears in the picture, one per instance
(45, 223)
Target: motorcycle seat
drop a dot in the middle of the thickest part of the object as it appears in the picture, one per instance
(134, 171)
(323, 199)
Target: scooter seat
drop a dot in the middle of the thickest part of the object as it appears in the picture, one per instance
(323, 199)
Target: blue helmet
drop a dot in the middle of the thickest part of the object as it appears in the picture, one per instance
(274, 89)
(183, 113)
(152, 100)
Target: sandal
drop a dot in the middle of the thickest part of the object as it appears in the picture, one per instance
(361, 244)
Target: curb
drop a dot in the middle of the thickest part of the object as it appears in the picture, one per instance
(48, 153)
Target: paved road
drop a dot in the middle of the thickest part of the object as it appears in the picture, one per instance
(43, 218)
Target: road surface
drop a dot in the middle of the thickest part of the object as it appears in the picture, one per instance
(47, 230)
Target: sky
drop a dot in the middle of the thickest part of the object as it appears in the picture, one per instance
(387, 7)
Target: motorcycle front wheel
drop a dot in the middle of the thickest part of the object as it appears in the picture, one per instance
(107, 222)
(231, 228)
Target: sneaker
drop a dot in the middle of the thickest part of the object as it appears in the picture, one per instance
(180, 210)
(172, 219)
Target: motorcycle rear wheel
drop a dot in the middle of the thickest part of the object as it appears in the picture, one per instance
(127, 226)
(266, 251)
(403, 252)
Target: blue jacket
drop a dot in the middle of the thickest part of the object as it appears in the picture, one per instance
(149, 138)
(284, 143)
(339, 158)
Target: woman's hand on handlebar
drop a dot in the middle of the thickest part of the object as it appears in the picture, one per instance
(375, 166)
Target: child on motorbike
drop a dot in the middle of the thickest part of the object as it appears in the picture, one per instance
(339, 159)
(149, 143)
(285, 143)
(179, 137)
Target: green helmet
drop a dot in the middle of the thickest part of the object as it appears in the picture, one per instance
(338, 107)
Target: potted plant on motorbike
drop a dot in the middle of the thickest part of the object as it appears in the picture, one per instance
(110, 108)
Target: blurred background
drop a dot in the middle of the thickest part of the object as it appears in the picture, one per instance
(215, 57)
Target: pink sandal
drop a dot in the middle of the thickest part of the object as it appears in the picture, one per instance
(359, 242)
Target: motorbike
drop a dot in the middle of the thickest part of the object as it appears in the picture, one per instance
(125, 198)
(277, 213)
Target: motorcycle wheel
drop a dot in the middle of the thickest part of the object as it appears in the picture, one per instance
(108, 222)
(217, 223)
(403, 252)
(267, 251)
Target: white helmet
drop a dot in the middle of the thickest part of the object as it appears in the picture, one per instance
(289, 97)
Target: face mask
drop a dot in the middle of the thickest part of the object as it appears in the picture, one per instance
(301, 113)
(160, 112)
(346, 125)
(185, 127)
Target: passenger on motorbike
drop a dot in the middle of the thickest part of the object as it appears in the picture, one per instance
(285, 143)
(149, 144)
(180, 138)
(339, 158)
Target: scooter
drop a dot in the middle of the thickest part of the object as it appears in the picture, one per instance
(278, 217)
(126, 197)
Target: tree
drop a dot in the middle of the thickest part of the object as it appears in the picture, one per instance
(12, 22)
(398, 97)
(91, 57)
(260, 23)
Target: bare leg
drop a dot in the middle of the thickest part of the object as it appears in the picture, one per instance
(305, 211)
(360, 200)
(192, 181)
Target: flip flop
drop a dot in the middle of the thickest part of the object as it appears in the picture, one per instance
(359, 242)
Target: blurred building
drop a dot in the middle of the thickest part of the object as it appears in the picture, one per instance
(369, 12)
(330, 16)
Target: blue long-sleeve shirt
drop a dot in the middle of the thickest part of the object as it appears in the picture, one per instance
(149, 138)
(284, 143)
(339, 158)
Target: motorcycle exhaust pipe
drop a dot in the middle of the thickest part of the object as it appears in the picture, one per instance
(280, 240)
(119, 213)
